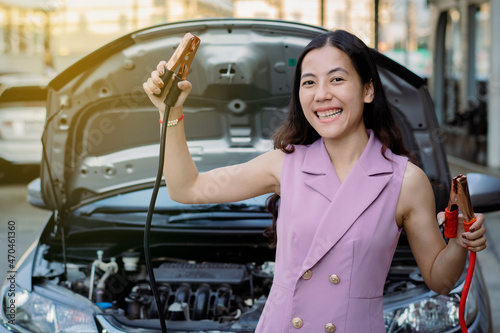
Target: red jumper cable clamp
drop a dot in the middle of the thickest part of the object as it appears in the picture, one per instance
(465, 205)
(451, 212)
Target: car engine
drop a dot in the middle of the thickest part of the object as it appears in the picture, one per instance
(191, 292)
(213, 284)
(228, 294)
(197, 291)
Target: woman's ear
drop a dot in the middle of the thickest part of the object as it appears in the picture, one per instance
(369, 92)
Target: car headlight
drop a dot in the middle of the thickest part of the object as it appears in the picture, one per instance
(438, 313)
(36, 313)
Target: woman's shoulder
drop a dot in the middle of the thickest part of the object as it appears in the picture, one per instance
(415, 181)
(416, 192)
(301, 148)
(274, 155)
(298, 153)
(401, 160)
(414, 173)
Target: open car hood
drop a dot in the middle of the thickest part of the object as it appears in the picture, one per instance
(102, 132)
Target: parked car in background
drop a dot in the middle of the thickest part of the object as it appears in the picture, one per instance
(213, 266)
(22, 117)
(17, 78)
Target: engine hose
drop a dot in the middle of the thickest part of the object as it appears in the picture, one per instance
(147, 254)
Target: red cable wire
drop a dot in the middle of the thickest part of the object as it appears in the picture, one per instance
(463, 298)
(468, 280)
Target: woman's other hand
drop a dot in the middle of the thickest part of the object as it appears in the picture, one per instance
(475, 238)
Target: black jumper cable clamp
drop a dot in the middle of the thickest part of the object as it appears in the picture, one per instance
(182, 58)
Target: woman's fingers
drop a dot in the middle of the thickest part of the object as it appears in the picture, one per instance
(477, 229)
(153, 87)
(476, 245)
(161, 67)
(441, 218)
(185, 87)
(154, 83)
(478, 224)
(146, 88)
(475, 238)
(155, 76)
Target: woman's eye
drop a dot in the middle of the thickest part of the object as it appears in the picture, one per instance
(337, 79)
(307, 83)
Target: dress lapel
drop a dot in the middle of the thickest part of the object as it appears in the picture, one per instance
(319, 172)
(349, 200)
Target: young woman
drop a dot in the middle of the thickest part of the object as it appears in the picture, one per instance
(345, 192)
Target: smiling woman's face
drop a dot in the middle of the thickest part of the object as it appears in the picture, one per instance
(331, 93)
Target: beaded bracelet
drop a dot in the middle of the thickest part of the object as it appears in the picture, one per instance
(172, 122)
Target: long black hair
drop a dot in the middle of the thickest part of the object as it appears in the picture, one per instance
(377, 116)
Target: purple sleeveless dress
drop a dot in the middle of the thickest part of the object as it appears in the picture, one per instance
(335, 242)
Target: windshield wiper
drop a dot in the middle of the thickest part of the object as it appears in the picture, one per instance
(218, 216)
(176, 210)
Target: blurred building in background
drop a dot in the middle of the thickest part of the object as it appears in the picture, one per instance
(404, 29)
(466, 77)
(52, 34)
(449, 43)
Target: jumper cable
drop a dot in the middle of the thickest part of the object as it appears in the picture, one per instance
(460, 196)
(182, 59)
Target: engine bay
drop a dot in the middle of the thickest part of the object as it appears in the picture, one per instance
(209, 276)
(194, 295)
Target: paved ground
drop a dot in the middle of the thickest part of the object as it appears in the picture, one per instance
(28, 220)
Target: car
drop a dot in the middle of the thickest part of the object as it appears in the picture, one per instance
(22, 117)
(212, 264)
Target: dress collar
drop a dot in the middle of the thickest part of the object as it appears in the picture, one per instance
(317, 160)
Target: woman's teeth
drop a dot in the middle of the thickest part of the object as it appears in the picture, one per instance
(329, 114)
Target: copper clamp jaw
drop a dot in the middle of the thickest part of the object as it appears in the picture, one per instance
(459, 195)
(181, 59)
(459, 199)
(184, 55)
(464, 202)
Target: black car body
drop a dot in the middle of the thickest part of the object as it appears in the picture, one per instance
(213, 266)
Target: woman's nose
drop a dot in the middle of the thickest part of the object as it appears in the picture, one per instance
(322, 92)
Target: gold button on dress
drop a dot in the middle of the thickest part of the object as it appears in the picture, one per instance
(334, 279)
(307, 275)
(330, 328)
(297, 322)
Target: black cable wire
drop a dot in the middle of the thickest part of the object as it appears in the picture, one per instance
(170, 100)
(46, 160)
(58, 210)
(147, 255)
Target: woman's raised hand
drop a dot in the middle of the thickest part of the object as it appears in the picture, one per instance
(153, 85)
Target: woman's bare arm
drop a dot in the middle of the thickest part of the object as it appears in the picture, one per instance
(440, 264)
(226, 184)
